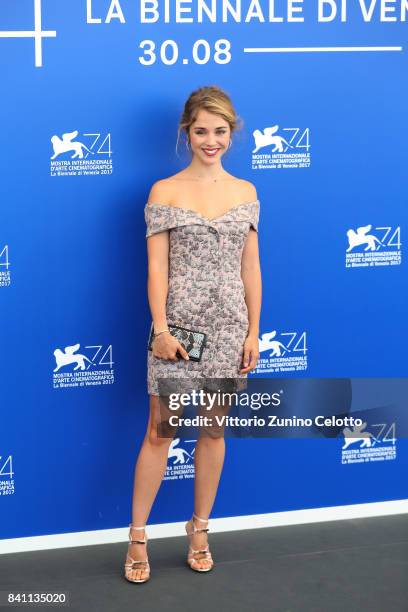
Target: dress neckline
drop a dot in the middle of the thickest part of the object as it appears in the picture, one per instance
(210, 220)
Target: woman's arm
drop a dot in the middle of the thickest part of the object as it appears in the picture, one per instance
(251, 277)
(158, 263)
(157, 278)
(165, 346)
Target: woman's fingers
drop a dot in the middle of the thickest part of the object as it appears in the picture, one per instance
(249, 362)
(173, 353)
(182, 351)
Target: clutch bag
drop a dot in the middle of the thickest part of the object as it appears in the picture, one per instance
(193, 341)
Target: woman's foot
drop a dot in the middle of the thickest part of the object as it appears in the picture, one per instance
(137, 567)
(199, 556)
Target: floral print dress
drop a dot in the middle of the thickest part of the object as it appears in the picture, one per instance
(205, 289)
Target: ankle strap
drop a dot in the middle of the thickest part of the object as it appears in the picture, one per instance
(200, 519)
(133, 527)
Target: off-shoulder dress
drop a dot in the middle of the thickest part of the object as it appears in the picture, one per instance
(205, 289)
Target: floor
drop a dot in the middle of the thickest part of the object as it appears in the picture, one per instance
(355, 565)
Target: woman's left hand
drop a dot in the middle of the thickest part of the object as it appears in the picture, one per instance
(250, 353)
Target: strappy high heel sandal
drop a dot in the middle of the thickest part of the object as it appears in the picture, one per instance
(201, 554)
(131, 564)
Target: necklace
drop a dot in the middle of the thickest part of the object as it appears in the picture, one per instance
(214, 180)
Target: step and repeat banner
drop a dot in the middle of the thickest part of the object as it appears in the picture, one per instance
(91, 95)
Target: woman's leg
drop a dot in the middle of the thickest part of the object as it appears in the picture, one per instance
(149, 471)
(208, 463)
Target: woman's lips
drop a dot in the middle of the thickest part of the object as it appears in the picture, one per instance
(211, 152)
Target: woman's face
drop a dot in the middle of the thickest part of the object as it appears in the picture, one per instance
(209, 136)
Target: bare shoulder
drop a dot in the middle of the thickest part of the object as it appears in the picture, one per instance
(160, 193)
(243, 189)
(248, 190)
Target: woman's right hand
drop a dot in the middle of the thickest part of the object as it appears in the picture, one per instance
(165, 346)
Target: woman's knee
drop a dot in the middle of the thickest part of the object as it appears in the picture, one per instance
(211, 435)
(159, 431)
(157, 436)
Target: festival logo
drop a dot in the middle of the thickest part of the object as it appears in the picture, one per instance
(92, 366)
(368, 247)
(180, 460)
(6, 475)
(281, 148)
(5, 275)
(283, 352)
(74, 155)
(361, 445)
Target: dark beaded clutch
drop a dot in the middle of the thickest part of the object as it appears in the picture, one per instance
(193, 341)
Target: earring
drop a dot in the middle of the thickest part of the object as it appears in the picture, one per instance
(230, 143)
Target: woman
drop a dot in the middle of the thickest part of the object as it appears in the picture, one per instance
(203, 273)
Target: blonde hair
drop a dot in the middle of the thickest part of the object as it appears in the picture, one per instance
(212, 99)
